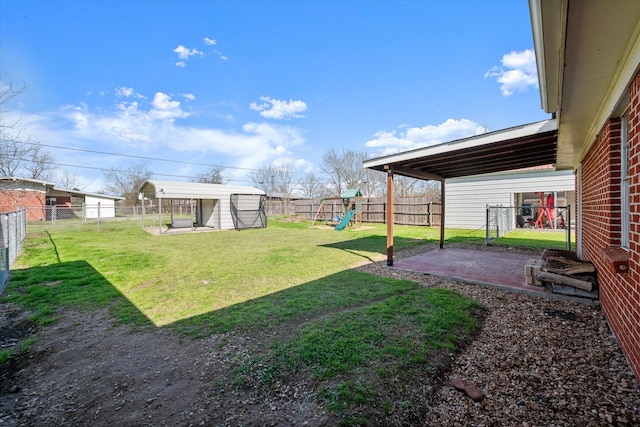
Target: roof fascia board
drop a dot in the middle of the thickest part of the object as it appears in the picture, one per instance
(624, 74)
(548, 24)
(34, 181)
(461, 144)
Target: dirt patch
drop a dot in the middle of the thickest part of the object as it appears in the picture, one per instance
(536, 361)
(87, 370)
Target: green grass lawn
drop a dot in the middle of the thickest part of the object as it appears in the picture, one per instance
(174, 277)
(288, 281)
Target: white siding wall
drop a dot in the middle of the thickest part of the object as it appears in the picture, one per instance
(466, 198)
(193, 190)
(226, 220)
(107, 207)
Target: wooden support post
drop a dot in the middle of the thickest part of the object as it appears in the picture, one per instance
(389, 216)
(442, 205)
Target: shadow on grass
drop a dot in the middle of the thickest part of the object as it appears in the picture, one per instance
(348, 332)
(45, 289)
(376, 244)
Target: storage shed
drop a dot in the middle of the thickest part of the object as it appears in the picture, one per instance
(217, 206)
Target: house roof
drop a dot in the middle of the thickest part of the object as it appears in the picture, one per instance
(52, 189)
(33, 181)
(587, 51)
(78, 193)
(192, 190)
(518, 147)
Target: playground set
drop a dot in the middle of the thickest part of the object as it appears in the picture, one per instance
(350, 207)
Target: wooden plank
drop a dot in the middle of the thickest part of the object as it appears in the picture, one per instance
(545, 276)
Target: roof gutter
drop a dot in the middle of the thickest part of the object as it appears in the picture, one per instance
(548, 25)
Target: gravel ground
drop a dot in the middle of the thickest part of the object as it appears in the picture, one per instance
(538, 362)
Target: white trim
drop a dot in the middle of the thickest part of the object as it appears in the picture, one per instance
(578, 228)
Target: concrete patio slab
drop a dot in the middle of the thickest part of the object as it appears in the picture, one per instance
(495, 269)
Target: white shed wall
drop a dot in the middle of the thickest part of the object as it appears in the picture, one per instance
(466, 198)
(221, 193)
(107, 207)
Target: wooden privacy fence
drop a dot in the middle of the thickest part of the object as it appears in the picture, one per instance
(406, 210)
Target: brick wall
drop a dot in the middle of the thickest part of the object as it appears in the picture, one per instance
(32, 201)
(601, 226)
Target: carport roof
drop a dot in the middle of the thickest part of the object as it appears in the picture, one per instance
(514, 148)
(192, 190)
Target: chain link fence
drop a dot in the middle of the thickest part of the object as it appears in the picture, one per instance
(549, 225)
(13, 230)
(82, 215)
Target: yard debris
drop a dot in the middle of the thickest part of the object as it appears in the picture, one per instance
(468, 387)
(566, 274)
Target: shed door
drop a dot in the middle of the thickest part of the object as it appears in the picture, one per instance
(210, 213)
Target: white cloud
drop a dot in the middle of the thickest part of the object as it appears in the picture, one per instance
(184, 54)
(188, 96)
(124, 91)
(517, 73)
(154, 127)
(209, 42)
(408, 138)
(165, 108)
(278, 109)
(223, 57)
(127, 92)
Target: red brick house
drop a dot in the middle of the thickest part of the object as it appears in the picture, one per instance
(31, 194)
(588, 56)
(39, 197)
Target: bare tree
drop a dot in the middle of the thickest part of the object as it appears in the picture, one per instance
(312, 187)
(213, 175)
(264, 178)
(66, 179)
(376, 186)
(20, 155)
(126, 183)
(344, 170)
(275, 179)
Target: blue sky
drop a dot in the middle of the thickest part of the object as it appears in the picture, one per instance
(248, 83)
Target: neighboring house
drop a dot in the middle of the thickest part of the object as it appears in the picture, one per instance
(467, 197)
(218, 206)
(94, 205)
(30, 194)
(39, 198)
(588, 56)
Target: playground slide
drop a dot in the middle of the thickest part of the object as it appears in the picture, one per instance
(345, 220)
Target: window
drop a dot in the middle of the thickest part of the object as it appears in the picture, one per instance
(624, 184)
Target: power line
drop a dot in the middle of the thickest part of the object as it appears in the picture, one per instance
(133, 156)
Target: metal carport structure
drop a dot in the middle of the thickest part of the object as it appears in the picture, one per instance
(524, 146)
(219, 206)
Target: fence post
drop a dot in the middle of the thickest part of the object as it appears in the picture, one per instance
(568, 227)
(99, 216)
(486, 236)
